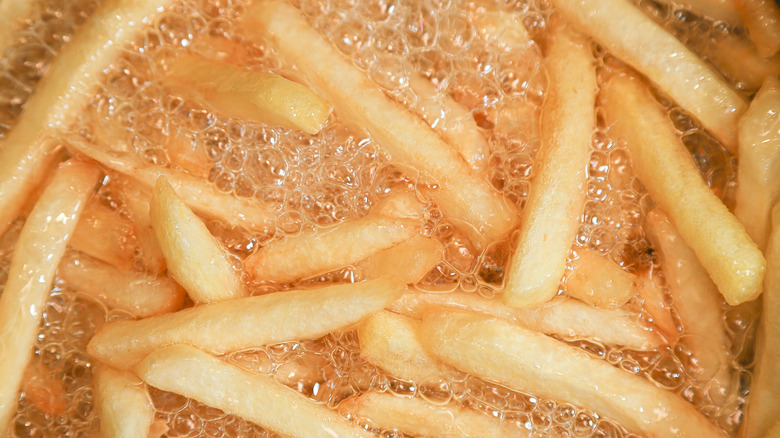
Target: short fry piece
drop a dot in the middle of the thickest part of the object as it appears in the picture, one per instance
(599, 282)
(257, 398)
(409, 261)
(243, 323)
(762, 18)
(37, 253)
(104, 234)
(667, 170)
(497, 350)
(123, 405)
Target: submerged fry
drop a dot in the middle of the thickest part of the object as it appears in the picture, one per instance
(104, 234)
(652, 297)
(762, 18)
(122, 402)
(135, 203)
(739, 61)
(408, 261)
(719, 10)
(598, 281)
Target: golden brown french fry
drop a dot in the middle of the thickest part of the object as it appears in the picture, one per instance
(758, 170)
(408, 261)
(135, 204)
(598, 281)
(667, 170)
(195, 259)
(140, 294)
(242, 323)
(185, 370)
(552, 213)
(461, 194)
(12, 12)
(762, 18)
(496, 350)
(651, 295)
(106, 235)
(37, 253)
(624, 30)
(319, 251)
(420, 418)
(738, 59)
(122, 402)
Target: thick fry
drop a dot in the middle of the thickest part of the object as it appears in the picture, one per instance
(552, 213)
(257, 398)
(738, 59)
(462, 195)
(598, 281)
(12, 12)
(762, 18)
(122, 402)
(106, 235)
(758, 170)
(245, 322)
(651, 295)
(497, 350)
(36, 256)
(667, 170)
(409, 261)
(135, 203)
(624, 30)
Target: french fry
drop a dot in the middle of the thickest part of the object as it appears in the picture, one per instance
(135, 203)
(667, 170)
(651, 295)
(552, 213)
(719, 10)
(408, 261)
(461, 194)
(401, 203)
(319, 251)
(243, 323)
(598, 281)
(759, 162)
(11, 13)
(122, 402)
(37, 253)
(420, 418)
(139, 294)
(257, 398)
(738, 59)
(624, 30)
(44, 389)
(195, 259)
(106, 235)
(187, 155)
(496, 350)
(762, 18)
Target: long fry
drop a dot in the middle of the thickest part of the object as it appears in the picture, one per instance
(497, 350)
(36, 256)
(598, 281)
(123, 404)
(667, 170)
(762, 18)
(104, 234)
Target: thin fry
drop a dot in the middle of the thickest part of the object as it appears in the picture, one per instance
(135, 204)
(762, 18)
(104, 234)
(652, 297)
(122, 402)
(598, 281)
(408, 261)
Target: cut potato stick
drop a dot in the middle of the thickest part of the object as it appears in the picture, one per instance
(257, 398)
(139, 294)
(408, 261)
(244, 323)
(552, 213)
(738, 59)
(461, 194)
(758, 170)
(242, 93)
(598, 281)
(135, 203)
(26, 155)
(106, 235)
(319, 251)
(568, 319)
(496, 350)
(667, 170)
(391, 342)
(37, 253)
(420, 418)
(762, 18)
(195, 259)
(652, 297)
(122, 402)
(719, 10)
(401, 203)
(624, 30)
(12, 12)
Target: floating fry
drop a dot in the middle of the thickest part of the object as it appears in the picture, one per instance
(123, 405)
(257, 398)
(667, 170)
(106, 235)
(738, 59)
(408, 261)
(496, 350)
(654, 302)
(598, 281)
(552, 213)
(37, 253)
(135, 203)
(244, 323)
(762, 18)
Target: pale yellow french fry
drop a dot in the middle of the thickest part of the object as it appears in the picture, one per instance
(763, 408)
(12, 12)
(667, 170)
(401, 203)
(719, 10)
(598, 281)
(195, 374)
(758, 171)
(762, 18)
(391, 342)
(420, 418)
(319, 251)
(552, 213)
(243, 323)
(654, 302)
(26, 155)
(242, 93)
(140, 294)
(624, 30)
(37, 253)
(461, 193)
(738, 59)
(106, 235)
(494, 349)
(135, 204)
(195, 258)
(122, 402)
(568, 318)
(408, 261)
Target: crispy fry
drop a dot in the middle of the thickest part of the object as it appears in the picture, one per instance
(122, 402)
(552, 213)
(12, 12)
(625, 30)
(497, 350)
(36, 256)
(598, 281)
(104, 234)
(762, 18)
(738, 59)
(409, 261)
(652, 297)
(667, 170)
(135, 203)
(257, 398)
(195, 259)
(245, 322)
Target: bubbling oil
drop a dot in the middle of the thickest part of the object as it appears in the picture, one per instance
(338, 174)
